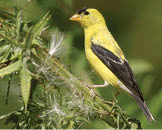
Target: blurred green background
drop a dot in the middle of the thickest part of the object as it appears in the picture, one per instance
(137, 27)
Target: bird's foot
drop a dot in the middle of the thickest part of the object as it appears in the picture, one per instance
(115, 98)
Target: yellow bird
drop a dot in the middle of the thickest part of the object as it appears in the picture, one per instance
(106, 57)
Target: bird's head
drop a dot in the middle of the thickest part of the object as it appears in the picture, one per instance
(88, 17)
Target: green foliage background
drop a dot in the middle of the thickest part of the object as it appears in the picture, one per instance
(136, 26)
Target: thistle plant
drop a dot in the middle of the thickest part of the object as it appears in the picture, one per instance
(53, 98)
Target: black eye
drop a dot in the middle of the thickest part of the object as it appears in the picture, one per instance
(86, 12)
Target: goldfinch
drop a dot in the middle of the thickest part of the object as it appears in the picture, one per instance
(106, 57)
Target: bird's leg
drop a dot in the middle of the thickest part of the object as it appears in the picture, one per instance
(91, 88)
(99, 86)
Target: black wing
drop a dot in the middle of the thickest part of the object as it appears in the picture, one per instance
(119, 67)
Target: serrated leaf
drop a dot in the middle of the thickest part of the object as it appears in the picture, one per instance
(4, 48)
(35, 30)
(18, 24)
(6, 14)
(5, 52)
(11, 68)
(41, 24)
(25, 78)
(29, 38)
(9, 39)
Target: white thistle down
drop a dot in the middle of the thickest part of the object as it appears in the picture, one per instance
(56, 108)
(54, 47)
(56, 40)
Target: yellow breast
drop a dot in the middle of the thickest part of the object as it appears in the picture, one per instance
(100, 68)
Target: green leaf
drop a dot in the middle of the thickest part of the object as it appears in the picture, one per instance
(10, 68)
(4, 52)
(25, 84)
(18, 25)
(9, 39)
(4, 48)
(29, 38)
(35, 31)
(6, 14)
(41, 24)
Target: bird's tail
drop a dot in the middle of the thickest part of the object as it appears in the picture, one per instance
(144, 108)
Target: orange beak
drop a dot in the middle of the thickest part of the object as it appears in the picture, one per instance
(76, 17)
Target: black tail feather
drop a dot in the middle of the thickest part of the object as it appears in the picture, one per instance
(144, 108)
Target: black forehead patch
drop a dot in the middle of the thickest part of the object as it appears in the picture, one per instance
(84, 9)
